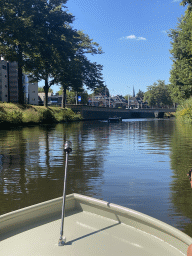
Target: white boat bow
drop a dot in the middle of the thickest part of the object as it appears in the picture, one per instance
(92, 227)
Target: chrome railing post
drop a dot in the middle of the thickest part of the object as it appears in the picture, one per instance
(67, 149)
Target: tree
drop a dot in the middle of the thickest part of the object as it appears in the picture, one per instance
(32, 31)
(71, 96)
(140, 94)
(158, 94)
(53, 42)
(48, 48)
(185, 2)
(181, 72)
(15, 34)
(78, 71)
(103, 90)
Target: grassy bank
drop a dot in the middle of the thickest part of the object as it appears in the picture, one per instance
(16, 114)
(184, 111)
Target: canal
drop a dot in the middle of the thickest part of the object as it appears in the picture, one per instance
(139, 163)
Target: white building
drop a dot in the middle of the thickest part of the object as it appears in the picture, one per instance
(32, 92)
(9, 84)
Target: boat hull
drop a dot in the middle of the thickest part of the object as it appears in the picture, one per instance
(114, 119)
(91, 227)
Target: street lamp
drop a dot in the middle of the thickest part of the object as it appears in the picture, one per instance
(105, 94)
(128, 97)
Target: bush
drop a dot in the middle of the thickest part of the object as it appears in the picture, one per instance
(46, 116)
(184, 111)
(65, 115)
(31, 116)
(14, 117)
(16, 114)
(2, 117)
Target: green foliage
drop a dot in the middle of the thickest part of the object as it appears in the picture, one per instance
(185, 2)
(127, 96)
(2, 117)
(71, 96)
(41, 89)
(140, 94)
(103, 90)
(181, 72)
(16, 114)
(31, 116)
(65, 115)
(158, 94)
(48, 48)
(184, 111)
(14, 117)
(78, 71)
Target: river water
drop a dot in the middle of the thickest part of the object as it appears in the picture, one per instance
(139, 163)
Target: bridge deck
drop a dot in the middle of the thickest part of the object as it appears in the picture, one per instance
(102, 113)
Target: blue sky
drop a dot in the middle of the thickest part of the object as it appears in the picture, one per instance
(132, 34)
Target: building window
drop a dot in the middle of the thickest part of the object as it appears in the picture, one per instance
(6, 95)
(5, 85)
(4, 67)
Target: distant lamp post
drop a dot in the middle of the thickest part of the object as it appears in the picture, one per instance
(92, 99)
(128, 97)
(105, 95)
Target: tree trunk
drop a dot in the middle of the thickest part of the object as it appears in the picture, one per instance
(20, 78)
(64, 97)
(46, 89)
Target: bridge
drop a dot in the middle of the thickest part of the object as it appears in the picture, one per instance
(103, 113)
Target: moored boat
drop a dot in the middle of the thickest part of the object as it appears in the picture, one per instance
(114, 119)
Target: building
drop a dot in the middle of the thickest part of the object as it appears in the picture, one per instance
(8, 81)
(3, 81)
(12, 76)
(9, 84)
(42, 95)
(32, 92)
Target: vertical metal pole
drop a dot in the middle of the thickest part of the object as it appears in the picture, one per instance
(67, 149)
(92, 100)
(105, 95)
(128, 101)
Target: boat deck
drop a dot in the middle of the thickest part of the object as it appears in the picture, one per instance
(86, 233)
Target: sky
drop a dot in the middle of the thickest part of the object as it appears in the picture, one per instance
(133, 36)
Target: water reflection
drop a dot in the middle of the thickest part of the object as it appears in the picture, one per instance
(181, 163)
(141, 164)
(32, 164)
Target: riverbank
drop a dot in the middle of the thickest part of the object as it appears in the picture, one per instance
(184, 111)
(16, 114)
